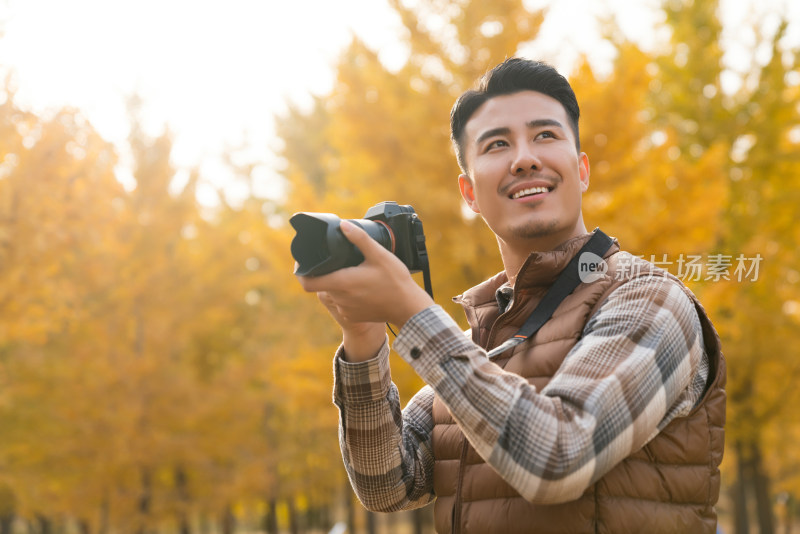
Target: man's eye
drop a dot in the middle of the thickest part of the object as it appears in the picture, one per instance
(547, 134)
(495, 144)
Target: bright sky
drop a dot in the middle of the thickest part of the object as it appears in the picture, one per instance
(217, 72)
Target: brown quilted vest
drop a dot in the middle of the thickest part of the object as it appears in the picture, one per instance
(668, 486)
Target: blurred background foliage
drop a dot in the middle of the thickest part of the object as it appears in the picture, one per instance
(161, 370)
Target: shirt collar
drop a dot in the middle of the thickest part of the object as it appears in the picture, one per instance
(504, 296)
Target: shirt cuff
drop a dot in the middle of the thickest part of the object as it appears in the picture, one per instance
(430, 337)
(361, 382)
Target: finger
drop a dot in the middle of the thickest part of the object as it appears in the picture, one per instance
(361, 239)
(315, 284)
(336, 280)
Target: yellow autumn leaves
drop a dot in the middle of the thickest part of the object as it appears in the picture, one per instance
(159, 363)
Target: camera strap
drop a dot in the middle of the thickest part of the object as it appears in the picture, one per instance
(425, 267)
(567, 281)
(426, 270)
(422, 255)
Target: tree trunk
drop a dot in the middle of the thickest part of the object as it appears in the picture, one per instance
(207, 525)
(182, 485)
(787, 512)
(8, 505)
(183, 524)
(45, 525)
(317, 518)
(741, 521)
(325, 517)
(371, 527)
(103, 528)
(766, 522)
(294, 528)
(311, 517)
(228, 521)
(351, 509)
(419, 520)
(145, 498)
(271, 517)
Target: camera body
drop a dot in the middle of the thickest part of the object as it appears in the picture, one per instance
(320, 247)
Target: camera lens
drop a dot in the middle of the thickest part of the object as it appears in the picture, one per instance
(320, 247)
(310, 245)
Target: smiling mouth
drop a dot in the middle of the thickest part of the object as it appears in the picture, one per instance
(533, 191)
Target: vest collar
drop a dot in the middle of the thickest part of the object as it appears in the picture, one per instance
(540, 269)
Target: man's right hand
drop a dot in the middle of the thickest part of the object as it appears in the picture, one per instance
(361, 341)
(363, 297)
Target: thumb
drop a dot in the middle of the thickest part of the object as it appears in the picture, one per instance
(360, 238)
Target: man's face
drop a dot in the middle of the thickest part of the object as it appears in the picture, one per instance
(525, 175)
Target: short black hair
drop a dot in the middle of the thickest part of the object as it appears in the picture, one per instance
(512, 76)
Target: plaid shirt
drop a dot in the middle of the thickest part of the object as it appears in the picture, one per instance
(639, 364)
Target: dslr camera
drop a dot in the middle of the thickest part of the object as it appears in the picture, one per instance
(320, 247)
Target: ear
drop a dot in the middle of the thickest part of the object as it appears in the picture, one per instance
(468, 192)
(583, 169)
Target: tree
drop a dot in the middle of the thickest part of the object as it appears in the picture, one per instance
(756, 126)
(131, 332)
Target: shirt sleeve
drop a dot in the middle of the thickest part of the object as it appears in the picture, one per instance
(632, 372)
(387, 452)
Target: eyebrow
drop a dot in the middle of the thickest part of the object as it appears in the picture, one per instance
(537, 123)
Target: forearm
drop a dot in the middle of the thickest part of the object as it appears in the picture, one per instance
(386, 452)
(362, 342)
(551, 444)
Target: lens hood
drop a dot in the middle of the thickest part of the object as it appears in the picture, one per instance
(319, 246)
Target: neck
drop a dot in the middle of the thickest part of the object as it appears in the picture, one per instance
(515, 254)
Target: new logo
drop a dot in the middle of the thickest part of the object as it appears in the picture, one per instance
(591, 267)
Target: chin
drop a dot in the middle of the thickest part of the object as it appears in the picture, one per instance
(537, 229)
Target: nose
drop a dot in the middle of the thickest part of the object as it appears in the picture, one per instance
(525, 160)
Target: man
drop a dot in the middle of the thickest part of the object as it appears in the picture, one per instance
(609, 419)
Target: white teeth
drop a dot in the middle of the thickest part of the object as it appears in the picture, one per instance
(531, 191)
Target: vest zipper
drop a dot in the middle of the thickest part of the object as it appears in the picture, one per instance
(501, 320)
(459, 485)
